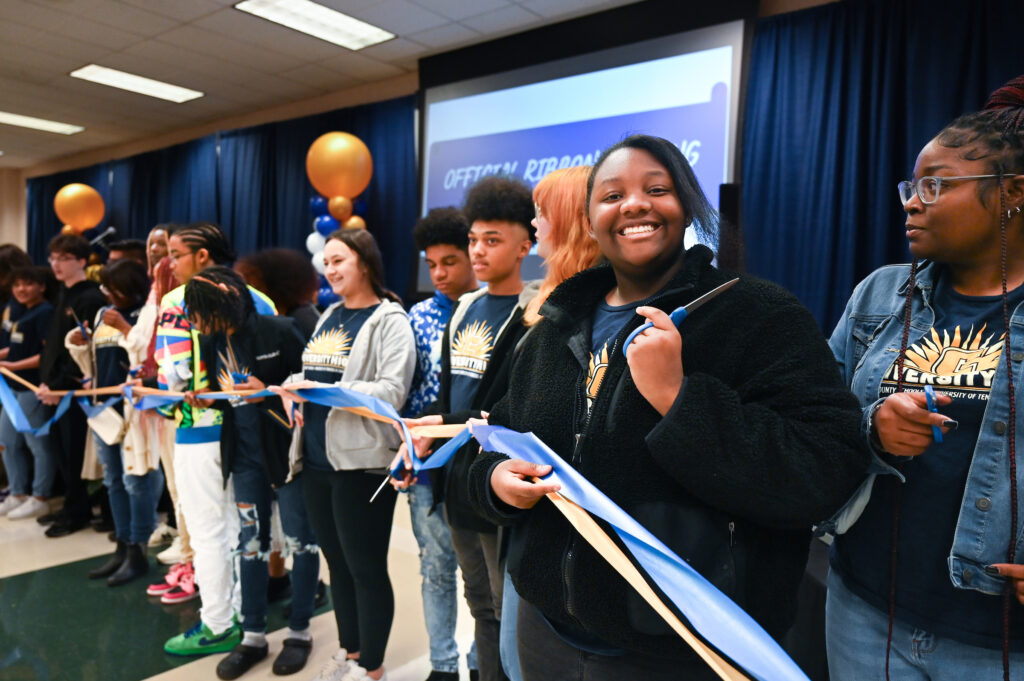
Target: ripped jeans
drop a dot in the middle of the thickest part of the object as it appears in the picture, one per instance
(254, 498)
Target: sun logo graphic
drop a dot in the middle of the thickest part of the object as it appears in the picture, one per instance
(105, 336)
(963, 360)
(226, 381)
(595, 374)
(328, 350)
(471, 350)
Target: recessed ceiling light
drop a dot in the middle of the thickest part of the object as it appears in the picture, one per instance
(39, 124)
(318, 21)
(133, 83)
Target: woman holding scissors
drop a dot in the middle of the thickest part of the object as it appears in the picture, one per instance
(727, 437)
(915, 590)
(363, 343)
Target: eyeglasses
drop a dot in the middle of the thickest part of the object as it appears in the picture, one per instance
(61, 258)
(929, 186)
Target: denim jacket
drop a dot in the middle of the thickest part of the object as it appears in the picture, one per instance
(865, 342)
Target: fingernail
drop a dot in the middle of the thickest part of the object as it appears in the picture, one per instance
(992, 570)
(950, 423)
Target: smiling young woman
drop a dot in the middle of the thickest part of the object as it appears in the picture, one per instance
(729, 461)
(922, 562)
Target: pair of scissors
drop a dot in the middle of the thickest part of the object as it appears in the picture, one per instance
(679, 314)
(929, 395)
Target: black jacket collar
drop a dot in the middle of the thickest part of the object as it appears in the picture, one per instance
(577, 296)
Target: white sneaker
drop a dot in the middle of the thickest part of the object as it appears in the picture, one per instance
(32, 508)
(358, 673)
(337, 668)
(11, 502)
(163, 534)
(172, 554)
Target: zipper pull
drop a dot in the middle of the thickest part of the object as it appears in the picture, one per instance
(732, 534)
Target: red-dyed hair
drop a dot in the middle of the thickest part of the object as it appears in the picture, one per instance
(562, 197)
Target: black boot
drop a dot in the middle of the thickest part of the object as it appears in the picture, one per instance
(135, 565)
(111, 566)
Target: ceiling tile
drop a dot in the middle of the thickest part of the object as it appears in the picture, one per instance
(38, 41)
(563, 8)
(447, 36)
(320, 77)
(66, 24)
(119, 15)
(505, 20)
(228, 49)
(457, 10)
(399, 16)
(180, 10)
(398, 48)
(361, 67)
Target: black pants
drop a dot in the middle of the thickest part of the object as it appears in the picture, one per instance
(544, 656)
(354, 536)
(477, 555)
(68, 435)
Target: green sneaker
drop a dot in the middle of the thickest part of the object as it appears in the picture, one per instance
(199, 640)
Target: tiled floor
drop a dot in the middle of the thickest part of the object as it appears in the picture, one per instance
(56, 625)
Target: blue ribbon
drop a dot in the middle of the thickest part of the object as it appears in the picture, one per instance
(709, 612)
(435, 460)
(93, 410)
(14, 412)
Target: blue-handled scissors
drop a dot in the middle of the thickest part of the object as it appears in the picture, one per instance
(929, 395)
(679, 314)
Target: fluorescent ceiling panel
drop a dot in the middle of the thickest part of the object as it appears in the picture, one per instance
(39, 124)
(134, 83)
(318, 21)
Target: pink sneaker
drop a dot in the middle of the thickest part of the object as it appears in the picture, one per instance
(185, 590)
(169, 581)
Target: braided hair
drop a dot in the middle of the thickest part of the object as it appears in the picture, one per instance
(994, 135)
(206, 235)
(218, 300)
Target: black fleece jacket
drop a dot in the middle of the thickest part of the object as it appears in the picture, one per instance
(449, 483)
(762, 441)
(56, 368)
(275, 345)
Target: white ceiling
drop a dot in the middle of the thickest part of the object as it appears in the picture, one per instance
(241, 62)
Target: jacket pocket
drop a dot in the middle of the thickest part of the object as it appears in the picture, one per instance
(864, 331)
(707, 539)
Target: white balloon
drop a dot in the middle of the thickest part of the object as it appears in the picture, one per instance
(315, 242)
(318, 262)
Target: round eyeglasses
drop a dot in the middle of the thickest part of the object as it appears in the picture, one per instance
(929, 186)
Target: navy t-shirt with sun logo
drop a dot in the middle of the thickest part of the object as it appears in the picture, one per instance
(324, 360)
(472, 343)
(959, 356)
(608, 322)
(233, 367)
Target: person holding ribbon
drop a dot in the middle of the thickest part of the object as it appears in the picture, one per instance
(727, 437)
(917, 587)
(248, 351)
(132, 477)
(363, 343)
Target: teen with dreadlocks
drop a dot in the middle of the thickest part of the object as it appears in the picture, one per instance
(205, 503)
(247, 351)
(913, 593)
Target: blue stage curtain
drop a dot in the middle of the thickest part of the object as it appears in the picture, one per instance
(841, 99)
(252, 182)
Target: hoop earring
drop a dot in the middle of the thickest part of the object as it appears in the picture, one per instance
(1009, 213)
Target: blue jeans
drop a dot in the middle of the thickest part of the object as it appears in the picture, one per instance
(255, 498)
(18, 445)
(508, 638)
(856, 633)
(439, 588)
(133, 498)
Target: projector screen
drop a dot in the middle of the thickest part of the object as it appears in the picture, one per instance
(531, 121)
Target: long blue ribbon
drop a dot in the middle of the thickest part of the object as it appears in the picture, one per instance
(710, 613)
(92, 410)
(17, 415)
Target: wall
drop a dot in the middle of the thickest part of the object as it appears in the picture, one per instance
(12, 207)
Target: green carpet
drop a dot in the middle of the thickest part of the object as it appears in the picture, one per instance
(56, 625)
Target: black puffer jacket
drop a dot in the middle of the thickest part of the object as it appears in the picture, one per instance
(762, 442)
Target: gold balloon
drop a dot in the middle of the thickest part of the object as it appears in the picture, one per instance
(340, 208)
(354, 222)
(80, 206)
(67, 229)
(339, 164)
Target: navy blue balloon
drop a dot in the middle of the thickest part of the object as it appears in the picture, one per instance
(325, 296)
(323, 281)
(325, 224)
(318, 204)
(359, 207)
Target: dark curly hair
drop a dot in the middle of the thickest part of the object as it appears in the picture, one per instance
(501, 198)
(217, 300)
(704, 218)
(442, 226)
(206, 235)
(285, 275)
(128, 278)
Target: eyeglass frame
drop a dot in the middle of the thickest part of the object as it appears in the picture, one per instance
(916, 184)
